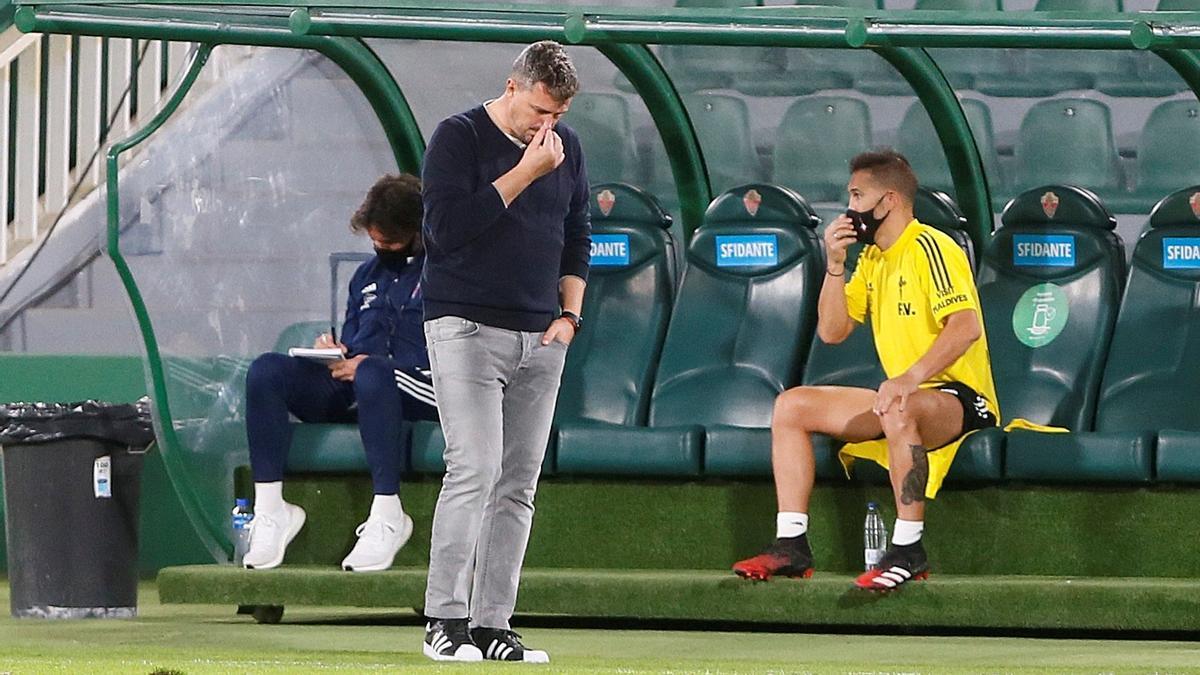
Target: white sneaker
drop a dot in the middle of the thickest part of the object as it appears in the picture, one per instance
(270, 534)
(378, 542)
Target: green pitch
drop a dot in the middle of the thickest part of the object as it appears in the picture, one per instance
(212, 639)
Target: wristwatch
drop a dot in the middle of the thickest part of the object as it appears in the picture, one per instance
(575, 319)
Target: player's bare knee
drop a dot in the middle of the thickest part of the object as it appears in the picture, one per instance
(896, 422)
(794, 408)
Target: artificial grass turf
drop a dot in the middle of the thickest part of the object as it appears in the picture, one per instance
(631, 524)
(211, 639)
(827, 599)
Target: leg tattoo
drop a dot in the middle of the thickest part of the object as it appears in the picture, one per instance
(912, 489)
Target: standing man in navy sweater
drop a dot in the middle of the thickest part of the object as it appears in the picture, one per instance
(508, 245)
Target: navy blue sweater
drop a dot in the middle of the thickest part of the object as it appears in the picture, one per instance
(383, 313)
(487, 263)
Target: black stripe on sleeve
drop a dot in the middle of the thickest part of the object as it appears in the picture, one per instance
(937, 265)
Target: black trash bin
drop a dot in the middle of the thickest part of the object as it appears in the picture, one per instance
(72, 483)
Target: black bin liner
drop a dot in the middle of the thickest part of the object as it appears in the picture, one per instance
(72, 535)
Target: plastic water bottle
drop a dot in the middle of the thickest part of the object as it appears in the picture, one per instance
(875, 537)
(242, 515)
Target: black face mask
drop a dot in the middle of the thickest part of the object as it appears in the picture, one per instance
(865, 223)
(393, 260)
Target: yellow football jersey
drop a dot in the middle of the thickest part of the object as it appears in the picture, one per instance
(908, 291)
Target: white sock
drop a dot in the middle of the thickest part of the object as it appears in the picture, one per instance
(907, 532)
(387, 507)
(268, 497)
(790, 524)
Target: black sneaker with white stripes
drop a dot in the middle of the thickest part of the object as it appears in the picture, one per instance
(450, 640)
(900, 565)
(505, 645)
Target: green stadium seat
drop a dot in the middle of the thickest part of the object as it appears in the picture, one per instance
(808, 71)
(602, 123)
(722, 124)
(1168, 149)
(1047, 366)
(1067, 142)
(815, 142)
(960, 66)
(1154, 362)
(1050, 283)
(744, 314)
(695, 67)
(1139, 74)
(1039, 73)
(855, 363)
(1142, 74)
(917, 141)
(610, 366)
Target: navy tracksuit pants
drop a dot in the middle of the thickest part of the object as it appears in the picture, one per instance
(382, 394)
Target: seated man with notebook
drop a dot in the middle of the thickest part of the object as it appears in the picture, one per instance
(380, 378)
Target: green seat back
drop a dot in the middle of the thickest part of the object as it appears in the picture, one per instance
(815, 142)
(602, 123)
(1178, 5)
(722, 124)
(745, 312)
(918, 142)
(611, 363)
(302, 334)
(1047, 63)
(1150, 380)
(854, 362)
(1049, 283)
(1067, 141)
(1169, 147)
(694, 67)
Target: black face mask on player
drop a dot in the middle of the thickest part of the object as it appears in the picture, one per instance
(393, 260)
(865, 223)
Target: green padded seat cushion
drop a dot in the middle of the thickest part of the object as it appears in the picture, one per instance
(745, 451)
(1088, 457)
(428, 447)
(598, 448)
(328, 448)
(1177, 457)
(980, 458)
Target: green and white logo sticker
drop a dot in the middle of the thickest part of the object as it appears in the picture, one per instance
(1040, 315)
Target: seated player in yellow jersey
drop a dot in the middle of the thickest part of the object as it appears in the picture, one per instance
(915, 285)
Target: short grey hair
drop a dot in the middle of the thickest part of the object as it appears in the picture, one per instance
(546, 62)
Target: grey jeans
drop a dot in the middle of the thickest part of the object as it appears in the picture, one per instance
(496, 391)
